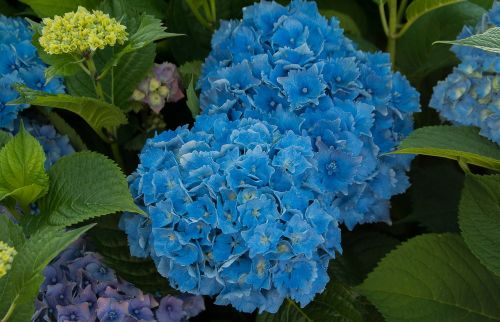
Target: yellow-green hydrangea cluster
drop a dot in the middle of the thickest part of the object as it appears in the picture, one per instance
(7, 254)
(80, 31)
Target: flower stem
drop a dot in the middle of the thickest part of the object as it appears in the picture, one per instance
(393, 25)
(93, 74)
(11, 310)
(115, 149)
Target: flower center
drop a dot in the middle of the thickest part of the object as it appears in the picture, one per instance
(305, 90)
(331, 167)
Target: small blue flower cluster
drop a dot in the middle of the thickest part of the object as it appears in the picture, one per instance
(54, 145)
(78, 287)
(19, 63)
(247, 204)
(470, 95)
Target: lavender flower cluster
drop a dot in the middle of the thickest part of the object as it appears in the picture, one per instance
(162, 85)
(246, 205)
(79, 287)
(470, 94)
(19, 63)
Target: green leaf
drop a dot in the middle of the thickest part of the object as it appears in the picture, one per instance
(4, 138)
(489, 40)
(98, 114)
(192, 102)
(49, 8)
(419, 8)
(338, 302)
(11, 233)
(85, 185)
(435, 194)
(22, 172)
(19, 288)
(433, 278)
(124, 77)
(361, 252)
(65, 65)
(416, 57)
(190, 70)
(453, 142)
(479, 218)
(486, 4)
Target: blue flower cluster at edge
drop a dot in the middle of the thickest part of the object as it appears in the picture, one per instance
(470, 94)
(247, 205)
(19, 63)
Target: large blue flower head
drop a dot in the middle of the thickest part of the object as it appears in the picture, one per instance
(79, 287)
(295, 69)
(19, 63)
(470, 94)
(238, 209)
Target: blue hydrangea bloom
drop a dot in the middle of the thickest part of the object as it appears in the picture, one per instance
(78, 287)
(19, 63)
(246, 205)
(234, 212)
(469, 95)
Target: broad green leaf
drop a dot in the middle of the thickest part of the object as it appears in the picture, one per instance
(419, 8)
(4, 138)
(111, 242)
(361, 252)
(118, 8)
(433, 278)
(125, 76)
(22, 172)
(338, 302)
(486, 4)
(98, 114)
(49, 8)
(192, 102)
(11, 233)
(19, 288)
(190, 70)
(65, 66)
(85, 185)
(489, 40)
(66, 129)
(453, 142)
(416, 57)
(479, 218)
(435, 194)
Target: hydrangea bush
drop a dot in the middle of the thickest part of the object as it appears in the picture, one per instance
(79, 287)
(469, 95)
(247, 204)
(19, 63)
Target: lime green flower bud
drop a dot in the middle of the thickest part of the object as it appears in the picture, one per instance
(154, 84)
(138, 95)
(7, 254)
(81, 31)
(163, 91)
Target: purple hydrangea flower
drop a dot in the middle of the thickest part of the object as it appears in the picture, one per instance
(161, 86)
